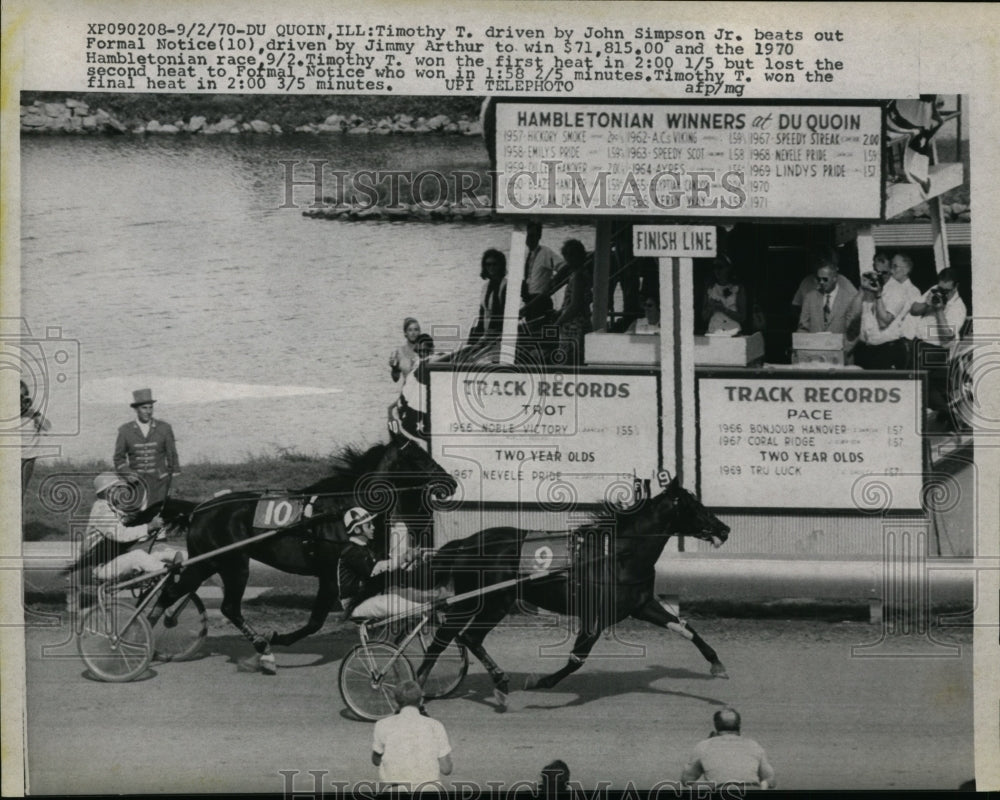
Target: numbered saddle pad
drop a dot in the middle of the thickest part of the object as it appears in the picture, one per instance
(278, 512)
(545, 551)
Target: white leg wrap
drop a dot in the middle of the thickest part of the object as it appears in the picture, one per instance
(680, 629)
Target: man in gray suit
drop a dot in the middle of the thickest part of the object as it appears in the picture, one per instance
(833, 304)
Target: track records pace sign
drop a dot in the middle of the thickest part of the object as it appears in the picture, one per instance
(544, 438)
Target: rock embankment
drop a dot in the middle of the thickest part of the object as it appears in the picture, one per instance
(77, 117)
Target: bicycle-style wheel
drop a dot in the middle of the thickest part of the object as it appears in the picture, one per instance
(178, 634)
(114, 643)
(368, 678)
(449, 670)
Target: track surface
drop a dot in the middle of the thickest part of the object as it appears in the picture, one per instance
(827, 718)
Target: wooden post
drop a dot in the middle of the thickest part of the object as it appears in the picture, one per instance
(602, 271)
(515, 274)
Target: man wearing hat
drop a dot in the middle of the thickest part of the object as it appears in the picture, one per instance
(145, 449)
(361, 595)
(107, 552)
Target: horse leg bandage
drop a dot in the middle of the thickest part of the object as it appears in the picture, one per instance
(681, 629)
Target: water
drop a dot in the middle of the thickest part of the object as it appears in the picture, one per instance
(259, 330)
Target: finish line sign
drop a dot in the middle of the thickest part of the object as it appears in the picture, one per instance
(676, 241)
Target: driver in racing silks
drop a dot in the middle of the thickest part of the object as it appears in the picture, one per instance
(122, 536)
(363, 594)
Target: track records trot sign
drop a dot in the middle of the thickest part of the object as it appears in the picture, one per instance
(530, 437)
(810, 441)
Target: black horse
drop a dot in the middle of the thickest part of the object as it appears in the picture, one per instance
(610, 577)
(398, 478)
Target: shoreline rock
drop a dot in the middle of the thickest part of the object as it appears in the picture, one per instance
(76, 117)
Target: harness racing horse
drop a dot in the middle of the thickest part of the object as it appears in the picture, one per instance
(398, 478)
(609, 578)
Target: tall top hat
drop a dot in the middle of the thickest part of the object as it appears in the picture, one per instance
(142, 396)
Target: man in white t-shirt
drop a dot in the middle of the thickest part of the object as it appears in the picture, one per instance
(411, 750)
(935, 324)
(885, 308)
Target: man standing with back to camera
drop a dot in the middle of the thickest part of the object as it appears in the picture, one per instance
(145, 449)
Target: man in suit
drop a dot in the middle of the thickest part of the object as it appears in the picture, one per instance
(833, 305)
(145, 450)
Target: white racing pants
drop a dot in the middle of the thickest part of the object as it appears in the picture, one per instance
(387, 605)
(134, 562)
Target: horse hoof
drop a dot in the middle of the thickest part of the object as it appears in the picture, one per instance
(719, 670)
(530, 682)
(501, 698)
(268, 665)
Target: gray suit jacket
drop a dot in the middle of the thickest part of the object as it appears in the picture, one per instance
(844, 308)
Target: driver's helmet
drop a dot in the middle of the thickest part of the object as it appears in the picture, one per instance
(355, 518)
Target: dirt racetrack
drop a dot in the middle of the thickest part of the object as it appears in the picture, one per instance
(827, 718)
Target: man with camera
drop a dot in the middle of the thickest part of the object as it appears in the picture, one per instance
(936, 321)
(886, 299)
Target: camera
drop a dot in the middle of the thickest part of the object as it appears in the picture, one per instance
(873, 281)
(939, 296)
(49, 367)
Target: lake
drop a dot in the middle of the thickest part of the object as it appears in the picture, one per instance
(170, 263)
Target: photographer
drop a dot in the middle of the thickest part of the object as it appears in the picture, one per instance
(886, 299)
(936, 321)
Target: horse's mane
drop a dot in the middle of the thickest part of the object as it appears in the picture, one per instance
(347, 467)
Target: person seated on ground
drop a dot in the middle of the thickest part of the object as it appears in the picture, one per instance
(727, 757)
(489, 325)
(116, 539)
(724, 308)
(650, 324)
(362, 594)
(404, 357)
(935, 323)
(833, 305)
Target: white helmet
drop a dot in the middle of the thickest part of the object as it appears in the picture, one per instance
(356, 517)
(105, 481)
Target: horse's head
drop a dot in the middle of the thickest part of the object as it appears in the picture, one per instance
(682, 513)
(411, 467)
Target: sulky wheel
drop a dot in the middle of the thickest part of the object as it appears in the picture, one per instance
(369, 675)
(114, 642)
(450, 668)
(178, 634)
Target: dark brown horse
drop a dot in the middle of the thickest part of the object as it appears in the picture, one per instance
(398, 479)
(610, 576)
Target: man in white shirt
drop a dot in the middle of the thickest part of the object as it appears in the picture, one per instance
(411, 750)
(885, 307)
(540, 265)
(936, 321)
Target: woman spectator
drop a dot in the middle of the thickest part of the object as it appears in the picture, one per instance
(724, 309)
(493, 270)
(650, 324)
(404, 357)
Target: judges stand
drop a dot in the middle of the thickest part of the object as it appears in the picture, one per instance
(822, 468)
